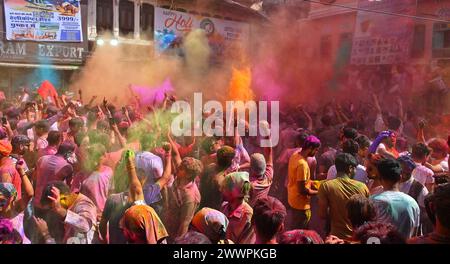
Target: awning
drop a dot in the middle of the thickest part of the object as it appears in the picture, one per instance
(248, 10)
(47, 66)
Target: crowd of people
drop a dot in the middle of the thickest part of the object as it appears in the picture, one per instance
(83, 173)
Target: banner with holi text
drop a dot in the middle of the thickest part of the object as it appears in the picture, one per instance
(223, 35)
(383, 38)
(43, 20)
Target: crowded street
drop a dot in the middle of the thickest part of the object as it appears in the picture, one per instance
(224, 122)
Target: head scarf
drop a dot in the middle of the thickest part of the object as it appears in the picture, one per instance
(407, 160)
(8, 235)
(8, 190)
(144, 222)
(149, 166)
(311, 141)
(5, 147)
(258, 163)
(210, 222)
(300, 236)
(235, 183)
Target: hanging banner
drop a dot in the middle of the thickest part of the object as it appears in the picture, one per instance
(172, 26)
(43, 20)
(382, 38)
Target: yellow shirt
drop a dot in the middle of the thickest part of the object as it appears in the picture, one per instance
(298, 170)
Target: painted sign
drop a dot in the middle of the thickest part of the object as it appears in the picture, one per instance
(172, 26)
(43, 20)
(26, 52)
(382, 38)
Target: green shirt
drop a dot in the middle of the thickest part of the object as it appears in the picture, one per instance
(336, 193)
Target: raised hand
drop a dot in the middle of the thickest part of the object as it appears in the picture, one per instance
(20, 166)
(167, 147)
(41, 226)
(55, 199)
(422, 124)
(130, 156)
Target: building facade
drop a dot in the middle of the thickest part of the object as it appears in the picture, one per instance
(432, 40)
(27, 63)
(125, 22)
(336, 27)
(131, 21)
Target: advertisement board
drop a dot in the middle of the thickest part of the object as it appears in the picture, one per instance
(383, 38)
(43, 20)
(172, 26)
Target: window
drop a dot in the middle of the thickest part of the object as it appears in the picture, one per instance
(146, 19)
(418, 47)
(126, 18)
(446, 39)
(325, 47)
(345, 47)
(441, 40)
(104, 16)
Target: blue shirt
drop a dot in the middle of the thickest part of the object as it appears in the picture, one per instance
(399, 209)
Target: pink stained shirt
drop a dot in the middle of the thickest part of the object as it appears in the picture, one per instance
(183, 202)
(239, 230)
(261, 185)
(96, 187)
(49, 150)
(50, 168)
(9, 174)
(77, 180)
(41, 143)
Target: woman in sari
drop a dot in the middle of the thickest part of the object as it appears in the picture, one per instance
(140, 223)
